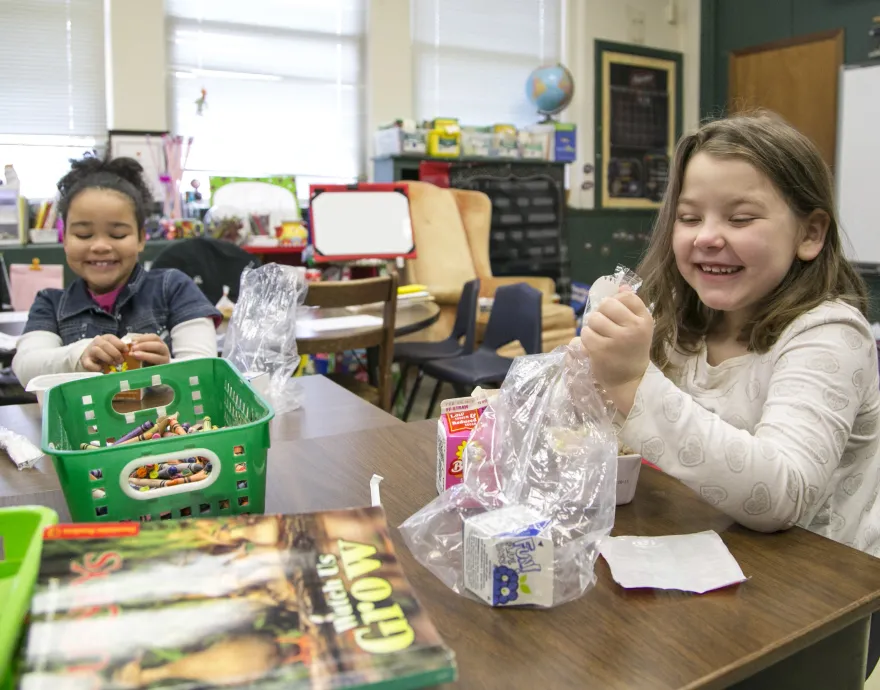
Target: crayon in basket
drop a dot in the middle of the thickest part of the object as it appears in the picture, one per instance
(142, 429)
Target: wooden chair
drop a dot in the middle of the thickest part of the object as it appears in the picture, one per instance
(351, 293)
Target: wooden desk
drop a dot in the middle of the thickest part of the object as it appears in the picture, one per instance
(327, 409)
(799, 622)
(410, 318)
(807, 598)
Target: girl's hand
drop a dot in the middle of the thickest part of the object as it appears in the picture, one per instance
(102, 352)
(617, 337)
(150, 349)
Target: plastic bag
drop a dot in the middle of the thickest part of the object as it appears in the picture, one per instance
(261, 338)
(20, 450)
(539, 488)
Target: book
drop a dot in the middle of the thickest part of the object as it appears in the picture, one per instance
(316, 600)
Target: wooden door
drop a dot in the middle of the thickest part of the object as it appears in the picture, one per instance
(796, 78)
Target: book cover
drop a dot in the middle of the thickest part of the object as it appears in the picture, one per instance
(287, 601)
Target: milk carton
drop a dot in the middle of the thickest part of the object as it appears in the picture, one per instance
(508, 557)
(458, 417)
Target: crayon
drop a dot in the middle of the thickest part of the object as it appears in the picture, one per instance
(175, 428)
(142, 429)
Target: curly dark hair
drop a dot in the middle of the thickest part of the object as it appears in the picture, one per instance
(123, 175)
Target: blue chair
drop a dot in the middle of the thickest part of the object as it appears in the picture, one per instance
(516, 315)
(417, 353)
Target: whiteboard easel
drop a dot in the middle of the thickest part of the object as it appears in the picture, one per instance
(858, 161)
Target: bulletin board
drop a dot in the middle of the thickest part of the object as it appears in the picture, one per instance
(148, 149)
(638, 122)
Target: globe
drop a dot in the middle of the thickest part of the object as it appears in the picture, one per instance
(550, 88)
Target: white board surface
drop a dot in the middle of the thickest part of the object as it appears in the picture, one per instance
(361, 224)
(858, 161)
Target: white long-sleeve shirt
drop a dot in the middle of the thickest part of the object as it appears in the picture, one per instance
(776, 439)
(42, 352)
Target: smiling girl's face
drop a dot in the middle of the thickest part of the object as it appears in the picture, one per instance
(735, 236)
(101, 238)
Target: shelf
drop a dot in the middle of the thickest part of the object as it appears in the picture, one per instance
(251, 249)
(470, 159)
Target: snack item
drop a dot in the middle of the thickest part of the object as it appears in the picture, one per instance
(128, 363)
(458, 417)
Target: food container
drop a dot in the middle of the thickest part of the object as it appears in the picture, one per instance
(40, 384)
(628, 467)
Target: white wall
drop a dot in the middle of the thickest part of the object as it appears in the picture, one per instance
(388, 57)
(137, 94)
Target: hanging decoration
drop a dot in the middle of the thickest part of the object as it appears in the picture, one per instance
(202, 102)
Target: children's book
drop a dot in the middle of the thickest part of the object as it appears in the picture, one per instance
(317, 600)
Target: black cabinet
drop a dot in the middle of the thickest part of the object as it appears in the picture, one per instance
(528, 210)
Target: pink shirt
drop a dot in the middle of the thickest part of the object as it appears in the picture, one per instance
(107, 300)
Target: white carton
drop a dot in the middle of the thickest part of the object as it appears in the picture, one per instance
(508, 558)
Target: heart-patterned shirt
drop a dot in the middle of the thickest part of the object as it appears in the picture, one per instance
(787, 437)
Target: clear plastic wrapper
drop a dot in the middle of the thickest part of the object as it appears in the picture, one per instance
(539, 488)
(22, 452)
(261, 338)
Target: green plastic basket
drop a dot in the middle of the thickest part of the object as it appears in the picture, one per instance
(81, 411)
(22, 532)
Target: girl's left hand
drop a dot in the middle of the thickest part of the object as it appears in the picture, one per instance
(617, 337)
(150, 349)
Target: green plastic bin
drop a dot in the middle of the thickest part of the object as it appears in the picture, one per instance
(81, 411)
(21, 530)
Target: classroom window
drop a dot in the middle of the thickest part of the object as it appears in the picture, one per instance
(472, 57)
(283, 84)
(52, 87)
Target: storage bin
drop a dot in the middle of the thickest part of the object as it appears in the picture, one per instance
(82, 411)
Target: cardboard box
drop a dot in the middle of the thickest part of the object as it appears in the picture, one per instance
(508, 561)
(458, 417)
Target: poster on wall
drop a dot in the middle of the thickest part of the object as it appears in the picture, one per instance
(638, 123)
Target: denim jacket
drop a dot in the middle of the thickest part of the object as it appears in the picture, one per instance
(151, 302)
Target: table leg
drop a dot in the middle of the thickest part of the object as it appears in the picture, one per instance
(836, 662)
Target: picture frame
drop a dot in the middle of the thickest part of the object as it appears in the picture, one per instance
(148, 149)
(638, 122)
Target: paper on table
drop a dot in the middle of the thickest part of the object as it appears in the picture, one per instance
(13, 316)
(697, 562)
(8, 342)
(341, 323)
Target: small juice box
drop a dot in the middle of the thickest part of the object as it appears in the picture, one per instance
(508, 561)
(128, 363)
(458, 417)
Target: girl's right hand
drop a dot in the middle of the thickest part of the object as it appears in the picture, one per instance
(105, 350)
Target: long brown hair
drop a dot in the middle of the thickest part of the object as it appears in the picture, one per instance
(794, 165)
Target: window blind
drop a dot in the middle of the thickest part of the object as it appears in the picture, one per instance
(52, 77)
(472, 57)
(283, 81)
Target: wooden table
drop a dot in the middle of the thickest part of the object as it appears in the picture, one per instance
(410, 318)
(800, 621)
(327, 409)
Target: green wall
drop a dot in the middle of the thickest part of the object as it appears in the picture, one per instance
(729, 25)
(598, 240)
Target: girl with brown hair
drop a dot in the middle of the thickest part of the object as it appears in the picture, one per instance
(754, 381)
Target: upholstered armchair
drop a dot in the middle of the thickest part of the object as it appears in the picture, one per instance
(451, 228)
